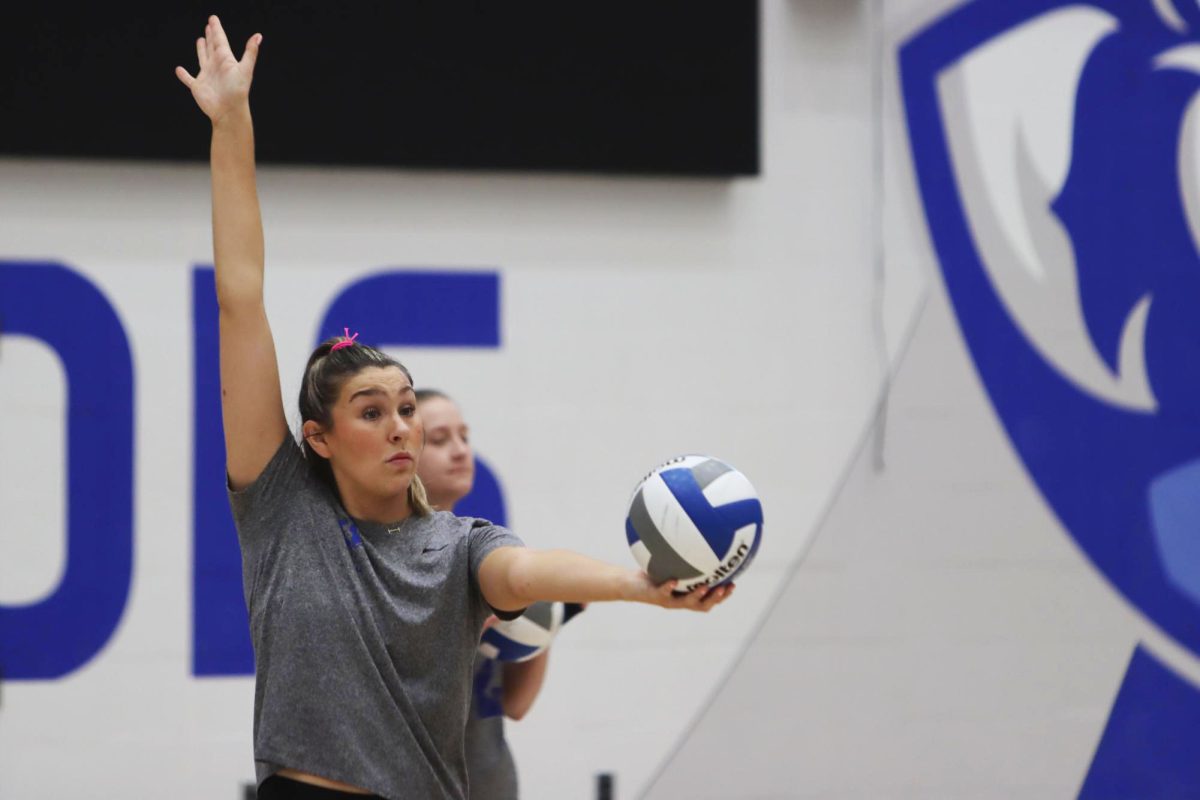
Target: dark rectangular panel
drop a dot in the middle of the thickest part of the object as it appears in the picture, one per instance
(652, 87)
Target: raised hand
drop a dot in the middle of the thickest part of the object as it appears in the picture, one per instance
(223, 83)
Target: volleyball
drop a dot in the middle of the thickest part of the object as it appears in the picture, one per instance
(695, 519)
(526, 636)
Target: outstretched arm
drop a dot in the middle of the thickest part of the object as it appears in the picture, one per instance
(515, 577)
(251, 401)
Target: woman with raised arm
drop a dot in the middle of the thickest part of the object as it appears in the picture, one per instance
(365, 605)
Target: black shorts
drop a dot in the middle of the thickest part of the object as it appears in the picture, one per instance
(277, 787)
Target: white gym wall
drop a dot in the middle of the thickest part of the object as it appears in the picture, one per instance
(943, 638)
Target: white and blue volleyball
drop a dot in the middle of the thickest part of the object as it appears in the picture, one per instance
(695, 519)
(526, 636)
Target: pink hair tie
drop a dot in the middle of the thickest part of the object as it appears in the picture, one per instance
(347, 342)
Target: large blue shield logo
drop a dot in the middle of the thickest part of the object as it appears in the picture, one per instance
(1057, 151)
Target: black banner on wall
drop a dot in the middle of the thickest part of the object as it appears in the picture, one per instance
(653, 87)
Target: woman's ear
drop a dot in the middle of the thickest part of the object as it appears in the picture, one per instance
(315, 438)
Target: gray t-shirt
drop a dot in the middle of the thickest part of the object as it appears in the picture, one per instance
(364, 635)
(489, 759)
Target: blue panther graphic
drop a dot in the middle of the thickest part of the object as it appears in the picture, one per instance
(1057, 151)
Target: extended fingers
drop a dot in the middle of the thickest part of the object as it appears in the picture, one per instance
(185, 77)
(216, 35)
(209, 39)
(250, 57)
(202, 52)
